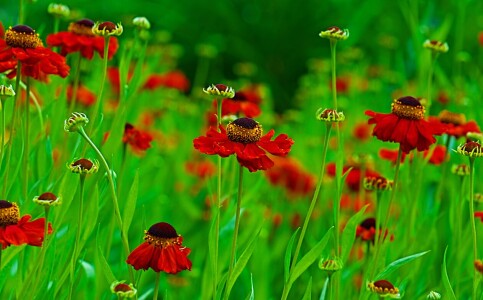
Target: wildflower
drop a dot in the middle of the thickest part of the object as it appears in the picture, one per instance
(58, 10)
(460, 170)
(329, 115)
(123, 290)
(75, 122)
(436, 46)
(220, 90)
(6, 92)
(405, 125)
(83, 96)
(288, 173)
(243, 137)
(245, 101)
(202, 168)
(84, 166)
(391, 155)
(366, 231)
(362, 131)
(18, 231)
(335, 33)
(161, 251)
(479, 266)
(172, 80)
(23, 45)
(107, 29)
(141, 23)
(353, 179)
(471, 149)
(331, 265)
(139, 140)
(433, 295)
(80, 38)
(384, 289)
(454, 124)
(47, 199)
(378, 183)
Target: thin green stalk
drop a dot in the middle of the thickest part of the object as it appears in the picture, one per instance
(386, 219)
(331, 287)
(333, 44)
(237, 226)
(286, 289)
(218, 209)
(156, 286)
(114, 196)
(75, 88)
(2, 145)
(201, 73)
(21, 11)
(27, 145)
(82, 178)
(473, 225)
(56, 24)
(12, 128)
(98, 104)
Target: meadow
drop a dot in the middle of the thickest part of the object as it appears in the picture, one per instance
(146, 159)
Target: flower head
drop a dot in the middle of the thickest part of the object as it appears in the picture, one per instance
(384, 289)
(432, 295)
(58, 10)
(245, 102)
(107, 29)
(6, 92)
(162, 250)
(471, 149)
(436, 46)
(139, 140)
(460, 170)
(329, 115)
(80, 38)
(405, 125)
(243, 137)
(331, 264)
(47, 199)
(454, 124)
(378, 183)
(16, 230)
(335, 33)
(141, 23)
(84, 166)
(172, 80)
(220, 90)
(479, 266)
(123, 290)
(75, 122)
(289, 173)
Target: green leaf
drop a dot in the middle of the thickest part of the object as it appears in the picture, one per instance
(349, 233)
(397, 264)
(106, 270)
(288, 255)
(252, 292)
(131, 204)
(446, 282)
(241, 263)
(323, 294)
(308, 291)
(310, 257)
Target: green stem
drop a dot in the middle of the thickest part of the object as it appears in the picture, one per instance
(77, 235)
(218, 210)
(386, 219)
(21, 11)
(114, 196)
(333, 43)
(331, 288)
(473, 225)
(286, 287)
(98, 105)
(27, 146)
(12, 128)
(237, 226)
(2, 145)
(75, 88)
(156, 286)
(56, 24)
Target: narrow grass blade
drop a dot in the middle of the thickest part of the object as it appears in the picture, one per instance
(397, 264)
(288, 255)
(131, 203)
(349, 233)
(323, 294)
(446, 282)
(252, 292)
(308, 291)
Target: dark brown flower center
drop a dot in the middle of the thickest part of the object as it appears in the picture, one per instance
(163, 230)
(22, 36)
(408, 108)
(83, 163)
(244, 130)
(368, 223)
(334, 29)
(452, 118)
(82, 27)
(221, 87)
(9, 213)
(472, 146)
(108, 26)
(122, 287)
(384, 284)
(48, 197)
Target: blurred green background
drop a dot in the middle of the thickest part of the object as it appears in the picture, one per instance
(279, 38)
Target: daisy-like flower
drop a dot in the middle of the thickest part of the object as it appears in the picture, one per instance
(75, 122)
(80, 38)
(139, 140)
(162, 251)
(246, 102)
(335, 33)
(23, 45)
(123, 290)
(329, 115)
(84, 166)
(454, 124)
(405, 125)
(366, 231)
(471, 149)
(47, 199)
(378, 183)
(18, 231)
(107, 29)
(220, 90)
(243, 137)
(330, 264)
(436, 46)
(384, 289)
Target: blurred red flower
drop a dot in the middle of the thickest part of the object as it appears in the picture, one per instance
(201, 168)
(246, 101)
(79, 38)
(84, 96)
(454, 124)
(353, 179)
(173, 79)
(162, 250)
(288, 173)
(139, 140)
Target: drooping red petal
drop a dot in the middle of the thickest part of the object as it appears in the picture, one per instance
(141, 257)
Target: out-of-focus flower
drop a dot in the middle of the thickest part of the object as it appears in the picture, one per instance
(141, 23)
(84, 166)
(18, 231)
(460, 170)
(123, 290)
(162, 251)
(58, 10)
(243, 137)
(107, 29)
(138, 139)
(436, 46)
(288, 173)
(353, 179)
(471, 149)
(83, 96)
(335, 33)
(245, 102)
(201, 168)
(80, 38)
(220, 90)
(173, 80)
(454, 124)
(384, 289)
(362, 131)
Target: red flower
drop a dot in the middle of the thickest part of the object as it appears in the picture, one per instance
(454, 124)
(479, 214)
(113, 75)
(438, 155)
(18, 231)
(84, 96)
(173, 79)
(245, 101)
(201, 168)
(243, 137)
(405, 125)
(391, 155)
(288, 173)
(341, 84)
(23, 45)
(362, 131)
(480, 38)
(79, 38)
(161, 251)
(138, 139)
(366, 231)
(353, 179)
